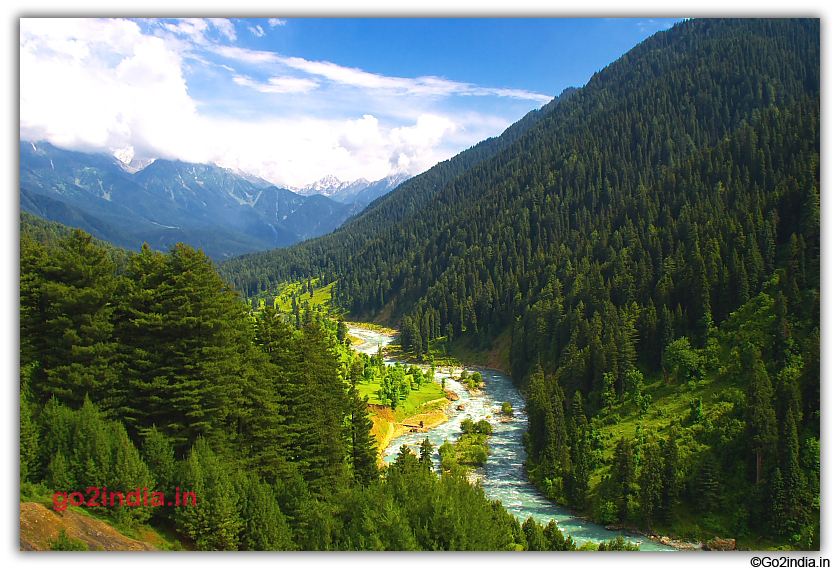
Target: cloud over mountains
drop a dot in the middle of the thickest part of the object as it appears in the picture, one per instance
(193, 90)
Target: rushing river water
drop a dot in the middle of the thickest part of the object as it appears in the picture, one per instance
(503, 477)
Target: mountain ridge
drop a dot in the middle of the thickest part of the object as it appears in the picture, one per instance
(186, 199)
(360, 190)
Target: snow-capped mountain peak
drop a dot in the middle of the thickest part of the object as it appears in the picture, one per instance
(331, 186)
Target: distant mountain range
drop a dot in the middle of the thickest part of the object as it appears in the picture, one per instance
(225, 213)
(360, 190)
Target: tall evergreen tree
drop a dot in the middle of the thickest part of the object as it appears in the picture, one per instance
(214, 522)
(66, 308)
(29, 465)
(184, 337)
(264, 526)
(761, 418)
(363, 454)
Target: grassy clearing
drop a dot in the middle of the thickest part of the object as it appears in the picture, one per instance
(320, 297)
(428, 404)
(417, 401)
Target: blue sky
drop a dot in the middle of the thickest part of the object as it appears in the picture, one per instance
(295, 99)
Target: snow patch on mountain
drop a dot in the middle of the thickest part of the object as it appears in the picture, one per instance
(331, 186)
(358, 190)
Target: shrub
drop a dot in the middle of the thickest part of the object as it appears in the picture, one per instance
(483, 427)
(64, 542)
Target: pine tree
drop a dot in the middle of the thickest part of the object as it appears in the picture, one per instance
(60, 475)
(761, 418)
(362, 444)
(708, 483)
(426, 450)
(794, 498)
(536, 407)
(214, 522)
(184, 338)
(159, 457)
(580, 454)
(93, 446)
(130, 475)
(320, 410)
(406, 461)
(264, 526)
(623, 476)
(555, 539)
(534, 535)
(66, 308)
(670, 480)
(650, 479)
(56, 433)
(29, 466)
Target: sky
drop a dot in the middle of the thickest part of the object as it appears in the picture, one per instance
(295, 99)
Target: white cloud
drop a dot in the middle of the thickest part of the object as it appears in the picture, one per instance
(225, 27)
(420, 86)
(192, 28)
(276, 22)
(103, 84)
(246, 55)
(94, 85)
(257, 31)
(413, 148)
(361, 133)
(279, 84)
(381, 84)
(297, 152)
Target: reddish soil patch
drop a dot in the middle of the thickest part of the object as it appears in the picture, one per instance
(38, 524)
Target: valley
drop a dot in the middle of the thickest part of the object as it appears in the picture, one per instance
(641, 256)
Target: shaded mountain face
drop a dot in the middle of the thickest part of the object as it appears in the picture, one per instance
(223, 212)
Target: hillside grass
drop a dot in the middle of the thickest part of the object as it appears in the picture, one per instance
(669, 412)
(282, 298)
(427, 404)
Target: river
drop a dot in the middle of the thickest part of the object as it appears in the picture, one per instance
(503, 477)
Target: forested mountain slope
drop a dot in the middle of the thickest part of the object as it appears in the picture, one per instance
(648, 245)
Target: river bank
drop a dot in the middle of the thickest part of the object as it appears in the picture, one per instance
(417, 423)
(503, 477)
